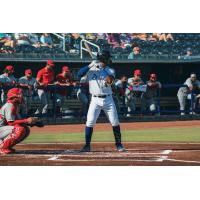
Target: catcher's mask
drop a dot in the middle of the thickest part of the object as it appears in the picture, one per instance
(16, 95)
(105, 57)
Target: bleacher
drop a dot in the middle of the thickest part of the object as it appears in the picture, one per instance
(148, 49)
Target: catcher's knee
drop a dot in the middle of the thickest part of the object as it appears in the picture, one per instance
(21, 131)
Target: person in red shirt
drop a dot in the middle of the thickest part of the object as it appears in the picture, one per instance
(13, 129)
(63, 79)
(44, 78)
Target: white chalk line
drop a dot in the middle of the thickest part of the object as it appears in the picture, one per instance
(184, 161)
(154, 159)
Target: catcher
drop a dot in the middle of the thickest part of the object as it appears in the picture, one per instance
(13, 129)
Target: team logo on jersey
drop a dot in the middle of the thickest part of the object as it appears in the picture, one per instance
(94, 77)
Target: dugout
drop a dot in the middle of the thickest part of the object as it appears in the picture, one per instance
(169, 72)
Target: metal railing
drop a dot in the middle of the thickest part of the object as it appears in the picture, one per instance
(87, 48)
(62, 37)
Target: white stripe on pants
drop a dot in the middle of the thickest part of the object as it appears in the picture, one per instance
(5, 131)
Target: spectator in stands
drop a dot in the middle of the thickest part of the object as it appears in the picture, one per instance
(101, 36)
(140, 36)
(148, 98)
(125, 40)
(153, 37)
(113, 40)
(7, 40)
(90, 36)
(7, 80)
(133, 91)
(46, 40)
(22, 39)
(184, 93)
(169, 37)
(119, 92)
(34, 39)
(45, 77)
(83, 94)
(27, 83)
(165, 37)
(75, 42)
(135, 54)
(188, 54)
(63, 80)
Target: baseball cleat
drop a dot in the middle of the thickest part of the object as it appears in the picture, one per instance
(120, 148)
(86, 148)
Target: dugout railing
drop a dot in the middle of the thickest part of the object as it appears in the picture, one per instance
(160, 100)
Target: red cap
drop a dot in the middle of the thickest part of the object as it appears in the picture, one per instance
(14, 92)
(10, 68)
(65, 69)
(28, 71)
(137, 72)
(50, 63)
(153, 76)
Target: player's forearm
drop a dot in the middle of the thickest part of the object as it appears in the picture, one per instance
(83, 71)
(19, 121)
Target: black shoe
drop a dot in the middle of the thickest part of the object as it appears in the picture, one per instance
(86, 148)
(120, 148)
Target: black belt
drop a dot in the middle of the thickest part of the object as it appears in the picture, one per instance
(101, 96)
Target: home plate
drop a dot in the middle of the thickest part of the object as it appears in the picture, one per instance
(54, 158)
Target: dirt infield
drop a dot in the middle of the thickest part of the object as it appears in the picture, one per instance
(124, 126)
(104, 154)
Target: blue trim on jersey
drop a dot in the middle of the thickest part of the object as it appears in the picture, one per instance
(83, 71)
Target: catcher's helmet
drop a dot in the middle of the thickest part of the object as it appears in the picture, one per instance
(15, 93)
(105, 57)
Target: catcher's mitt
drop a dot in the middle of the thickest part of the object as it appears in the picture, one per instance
(109, 80)
(39, 123)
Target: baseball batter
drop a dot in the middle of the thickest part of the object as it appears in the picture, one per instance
(100, 78)
(13, 129)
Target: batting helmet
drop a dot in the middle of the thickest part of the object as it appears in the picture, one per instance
(14, 92)
(105, 57)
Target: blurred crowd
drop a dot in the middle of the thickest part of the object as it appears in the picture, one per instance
(133, 44)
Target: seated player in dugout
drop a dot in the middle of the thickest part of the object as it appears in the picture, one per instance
(149, 98)
(13, 129)
(100, 78)
(65, 81)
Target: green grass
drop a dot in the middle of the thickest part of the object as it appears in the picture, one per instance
(151, 135)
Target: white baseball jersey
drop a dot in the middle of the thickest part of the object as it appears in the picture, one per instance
(24, 80)
(96, 79)
(189, 83)
(8, 112)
